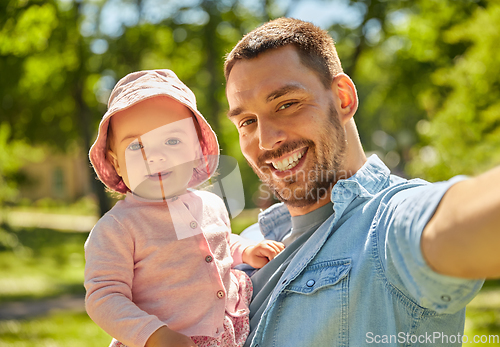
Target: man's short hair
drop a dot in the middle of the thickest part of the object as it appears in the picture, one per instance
(315, 46)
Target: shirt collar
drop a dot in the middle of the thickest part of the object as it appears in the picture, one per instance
(370, 179)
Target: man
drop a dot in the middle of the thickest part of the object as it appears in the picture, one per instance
(370, 257)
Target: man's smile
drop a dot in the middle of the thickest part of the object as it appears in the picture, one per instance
(288, 161)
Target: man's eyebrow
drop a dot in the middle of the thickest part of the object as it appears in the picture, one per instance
(270, 97)
(234, 112)
(283, 91)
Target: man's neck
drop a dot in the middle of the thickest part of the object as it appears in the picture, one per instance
(299, 211)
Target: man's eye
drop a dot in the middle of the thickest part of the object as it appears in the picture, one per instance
(247, 122)
(285, 106)
(172, 142)
(134, 146)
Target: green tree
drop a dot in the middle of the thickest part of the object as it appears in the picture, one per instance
(463, 136)
(12, 155)
(411, 77)
(44, 59)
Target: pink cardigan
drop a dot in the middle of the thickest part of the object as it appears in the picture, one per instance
(140, 274)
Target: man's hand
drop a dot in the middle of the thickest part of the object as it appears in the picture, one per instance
(262, 253)
(165, 337)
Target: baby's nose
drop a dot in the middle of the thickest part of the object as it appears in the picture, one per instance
(156, 157)
(155, 154)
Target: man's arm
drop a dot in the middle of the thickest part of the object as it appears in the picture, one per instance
(462, 239)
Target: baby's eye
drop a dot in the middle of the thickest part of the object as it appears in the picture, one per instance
(173, 142)
(134, 146)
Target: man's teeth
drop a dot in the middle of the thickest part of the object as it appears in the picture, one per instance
(288, 163)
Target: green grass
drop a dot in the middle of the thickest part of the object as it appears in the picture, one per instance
(48, 264)
(45, 263)
(62, 329)
(483, 314)
(85, 206)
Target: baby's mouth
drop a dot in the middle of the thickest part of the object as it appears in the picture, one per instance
(159, 175)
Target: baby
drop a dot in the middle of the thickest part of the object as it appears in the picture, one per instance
(159, 263)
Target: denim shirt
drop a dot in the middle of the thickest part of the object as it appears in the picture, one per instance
(361, 279)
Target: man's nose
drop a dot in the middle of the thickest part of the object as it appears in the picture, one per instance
(271, 134)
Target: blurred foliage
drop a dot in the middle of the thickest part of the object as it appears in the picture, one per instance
(41, 263)
(59, 329)
(463, 103)
(85, 206)
(428, 83)
(12, 155)
(425, 71)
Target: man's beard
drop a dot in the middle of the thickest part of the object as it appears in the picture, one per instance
(326, 160)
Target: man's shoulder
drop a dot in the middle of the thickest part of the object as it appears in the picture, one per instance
(398, 186)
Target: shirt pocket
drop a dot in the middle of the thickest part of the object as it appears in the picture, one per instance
(318, 276)
(313, 308)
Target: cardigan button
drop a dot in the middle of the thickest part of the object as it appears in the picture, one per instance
(209, 258)
(220, 294)
(193, 225)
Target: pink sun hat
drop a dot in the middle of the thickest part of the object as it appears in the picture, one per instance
(139, 86)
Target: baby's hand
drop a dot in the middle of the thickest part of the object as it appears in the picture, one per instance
(263, 252)
(165, 337)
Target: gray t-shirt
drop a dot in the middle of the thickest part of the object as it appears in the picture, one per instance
(266, 279)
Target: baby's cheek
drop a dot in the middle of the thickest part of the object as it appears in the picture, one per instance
(134, 173)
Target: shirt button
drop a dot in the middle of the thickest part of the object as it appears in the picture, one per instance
(220, 294)
(193, 225)
(310, 283)
(209, 258)
(175, 198)
(446, 298)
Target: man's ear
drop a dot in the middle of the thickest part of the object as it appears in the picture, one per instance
(345, 97)
(113, 159)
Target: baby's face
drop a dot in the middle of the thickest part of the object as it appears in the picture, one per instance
(155, 147)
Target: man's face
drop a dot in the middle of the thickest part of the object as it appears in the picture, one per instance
(155, 147)
(289, 131)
